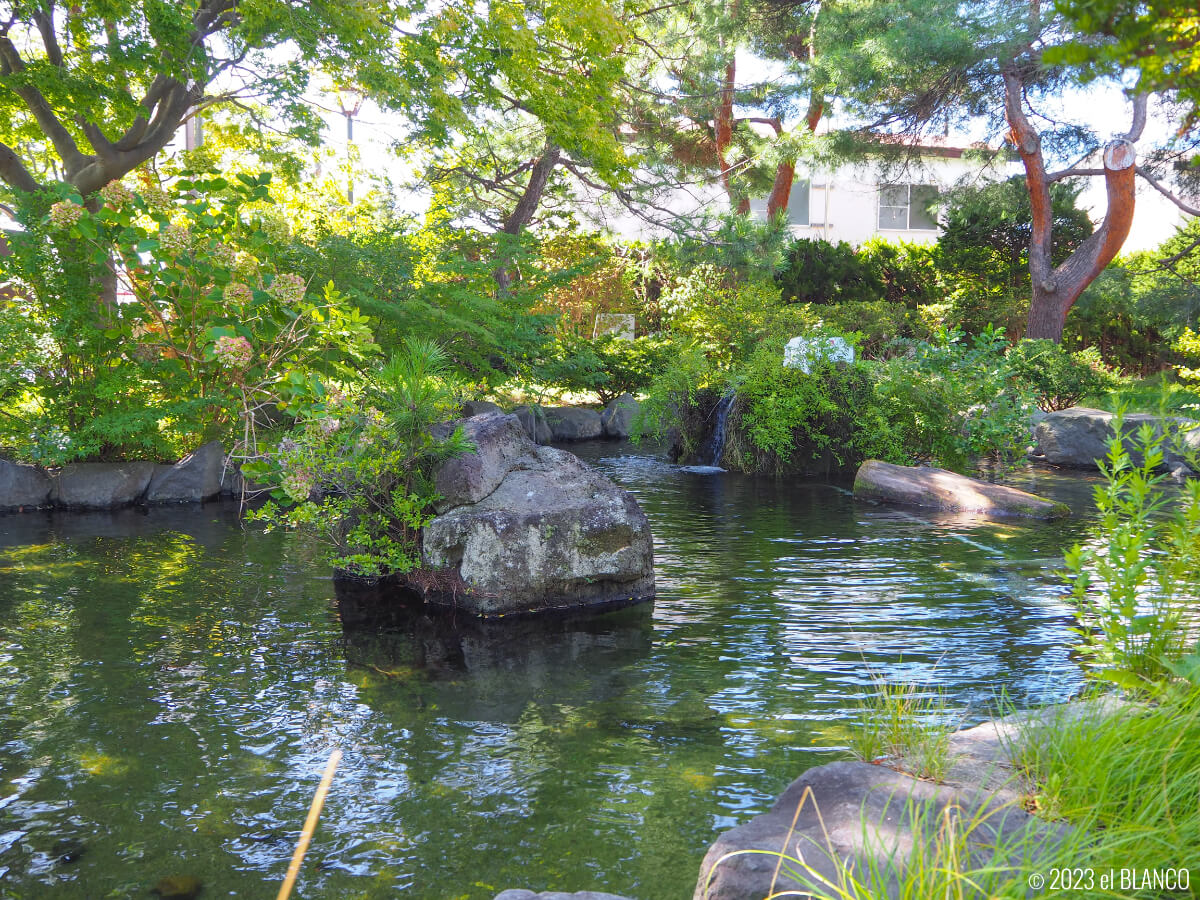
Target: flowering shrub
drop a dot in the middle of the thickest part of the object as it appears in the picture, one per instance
(357, 470)
(201, 336)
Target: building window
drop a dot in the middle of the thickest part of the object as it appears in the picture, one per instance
(797, 208)
(907, 207)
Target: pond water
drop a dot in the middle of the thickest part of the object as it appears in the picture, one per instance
(171, 685)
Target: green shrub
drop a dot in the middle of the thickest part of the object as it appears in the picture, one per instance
(1134, 578)
(819, 271)
(830, 417)
(357, 471)
(608, 366)
(1059, 378)
(954, 400)
(214, 331)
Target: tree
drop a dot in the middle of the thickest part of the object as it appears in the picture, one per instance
(89, 92)
(938, 62)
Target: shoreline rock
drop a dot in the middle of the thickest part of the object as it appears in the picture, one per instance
(1076, 438)
(925, 487)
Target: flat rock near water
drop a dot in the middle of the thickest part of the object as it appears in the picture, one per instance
(1077, 437)
(872, 818)
(525, 528)
(930, 488)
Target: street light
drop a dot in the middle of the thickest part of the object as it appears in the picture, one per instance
(350, 102)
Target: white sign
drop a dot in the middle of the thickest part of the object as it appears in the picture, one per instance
(803, 353)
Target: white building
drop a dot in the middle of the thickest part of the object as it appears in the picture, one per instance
(855, 203)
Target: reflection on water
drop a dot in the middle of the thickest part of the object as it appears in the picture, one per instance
(171, 685)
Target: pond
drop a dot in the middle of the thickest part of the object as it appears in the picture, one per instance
(171, 684)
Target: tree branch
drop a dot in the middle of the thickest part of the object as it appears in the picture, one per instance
(13, 171)
(1190, 210)
(63, 143)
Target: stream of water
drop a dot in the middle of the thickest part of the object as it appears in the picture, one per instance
(171, 684)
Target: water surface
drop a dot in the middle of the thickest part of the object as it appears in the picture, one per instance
(171, 685)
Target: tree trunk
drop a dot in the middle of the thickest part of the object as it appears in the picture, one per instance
(1055, 289)
(523, 212)
(785, 174)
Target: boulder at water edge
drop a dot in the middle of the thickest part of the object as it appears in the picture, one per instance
(533, 420)
(524, 528)
(874, 819)
(478, 408)
(23, 487)
(574, 423)
(194, 478)
(617, 418)
(930, 488)
(101, 485)
(1079, 436)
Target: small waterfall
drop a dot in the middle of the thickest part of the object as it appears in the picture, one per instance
(717, 445)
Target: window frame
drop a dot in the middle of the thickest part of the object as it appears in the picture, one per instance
(880, 206)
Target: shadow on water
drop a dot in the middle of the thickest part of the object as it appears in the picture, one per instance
(171, 684)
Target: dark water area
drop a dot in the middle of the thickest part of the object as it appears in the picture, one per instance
(171, 684)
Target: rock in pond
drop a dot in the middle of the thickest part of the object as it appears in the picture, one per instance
(617, 418)
(931, 488)
(178, 887)
(1078, 437)
(556, 895)
(525, 528)
(101, 485)
(194, 478)
(573, 423)
(533, 420)
(23, 486)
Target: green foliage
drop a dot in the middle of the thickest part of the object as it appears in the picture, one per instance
(213, 334)
(1059, 378)
(954, 400)
(358, 468)
(983, 250)
(433, 280)
(608, 366)
(818, 271)
(1133, 579)
(831, 414)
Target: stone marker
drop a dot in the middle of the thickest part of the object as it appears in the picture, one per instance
(929, 488)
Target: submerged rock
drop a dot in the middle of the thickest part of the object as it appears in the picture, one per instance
(178, 887)
(525, 528)
(68, 850)
(101, 485)
(194, 478)
(617, 418)
(573, 423)
(931, 488)
(556, 895)
(23, 486)
(1079, 436)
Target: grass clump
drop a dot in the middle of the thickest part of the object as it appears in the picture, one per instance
(906, 723)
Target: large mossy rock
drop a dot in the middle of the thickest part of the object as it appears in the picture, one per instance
(524, 528)
(23, 487)
(925, 487)
(101, 485)
(574, 423)
(194, 478)
(1078, 437)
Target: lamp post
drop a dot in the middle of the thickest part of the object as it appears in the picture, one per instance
(350, 102)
